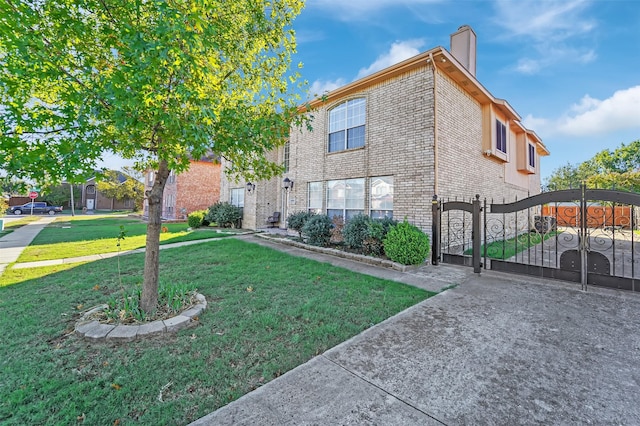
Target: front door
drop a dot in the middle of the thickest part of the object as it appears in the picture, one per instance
(90, 204)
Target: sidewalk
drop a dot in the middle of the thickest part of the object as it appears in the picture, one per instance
(12, 244)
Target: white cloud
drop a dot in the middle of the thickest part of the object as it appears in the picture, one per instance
(398, 52)
(320, 87)
(592, 116)
(551, 20)
(361, 9)
(555, 29)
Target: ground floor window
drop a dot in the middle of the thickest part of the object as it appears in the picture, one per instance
(381, 197)
(237, 197)
(315, 198)
(345, 198)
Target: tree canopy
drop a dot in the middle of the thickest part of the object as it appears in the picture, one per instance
(118, 186)
(160, 82)
(619, 168)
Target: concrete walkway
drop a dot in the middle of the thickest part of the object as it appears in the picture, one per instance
(12, 244)
(496, 350)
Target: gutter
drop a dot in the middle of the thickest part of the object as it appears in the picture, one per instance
(435, 125)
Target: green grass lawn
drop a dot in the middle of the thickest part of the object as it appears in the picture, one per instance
(85, 235)
(268, 313)
(504, 249)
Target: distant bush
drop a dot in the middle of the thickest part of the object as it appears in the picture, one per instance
(3, 205)
(224, 214)
(317, 230)
(406, 244)
(356, 230)
(195, 219)
(297, 220)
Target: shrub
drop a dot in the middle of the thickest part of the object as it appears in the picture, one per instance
(297, 220)
(406, 244)
(195, 219)
(212, 212)
(356, 230)
(223, 214)
(317, 230)
(4, 206)
(377, 230)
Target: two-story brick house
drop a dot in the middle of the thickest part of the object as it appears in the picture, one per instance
(195, 189)
(385, 144)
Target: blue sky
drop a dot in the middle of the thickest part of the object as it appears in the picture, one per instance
(570, 68)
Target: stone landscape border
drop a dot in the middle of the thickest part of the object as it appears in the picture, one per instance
(94, 330)
(370, 260)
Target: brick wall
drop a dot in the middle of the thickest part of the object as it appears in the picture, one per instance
(197, 188)
(399, 142)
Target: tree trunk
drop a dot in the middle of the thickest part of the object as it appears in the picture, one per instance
(149, 299)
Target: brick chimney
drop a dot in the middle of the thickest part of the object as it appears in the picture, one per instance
(463, 47)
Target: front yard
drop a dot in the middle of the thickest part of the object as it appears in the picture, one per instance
(268, 312)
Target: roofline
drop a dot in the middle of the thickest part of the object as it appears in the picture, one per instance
(441, 58)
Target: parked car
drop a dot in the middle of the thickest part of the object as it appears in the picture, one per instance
(38, 207)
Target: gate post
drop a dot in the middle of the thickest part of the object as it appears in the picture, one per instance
(583, 240)
(435, 230)
(475, 235)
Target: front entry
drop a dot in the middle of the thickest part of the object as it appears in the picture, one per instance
(90, 204)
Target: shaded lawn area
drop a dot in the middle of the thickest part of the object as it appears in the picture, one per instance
(268, 313)
(84, 235)
(505, 249)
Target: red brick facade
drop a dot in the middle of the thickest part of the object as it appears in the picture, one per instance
(196, 189)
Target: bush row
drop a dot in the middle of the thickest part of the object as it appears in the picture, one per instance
(401, 242)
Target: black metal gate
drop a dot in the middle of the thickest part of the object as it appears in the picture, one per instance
(583, 235)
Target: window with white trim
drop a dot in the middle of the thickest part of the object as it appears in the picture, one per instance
(237, 197)
(287, 153)
(315, 197)
(347, 125)
(169, 203)
(501, 136)
(381, 197)
(345, 198)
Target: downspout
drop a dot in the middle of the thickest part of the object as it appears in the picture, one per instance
(435, 126)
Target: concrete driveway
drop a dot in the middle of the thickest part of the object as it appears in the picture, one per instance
(497, 349)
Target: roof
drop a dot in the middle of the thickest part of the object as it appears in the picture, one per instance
(448, 64)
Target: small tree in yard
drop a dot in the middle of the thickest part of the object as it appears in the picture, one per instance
(158, 82)
(118, 186)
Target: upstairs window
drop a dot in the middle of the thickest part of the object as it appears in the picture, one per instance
(501, 137)
(347, 125)
(532, 156)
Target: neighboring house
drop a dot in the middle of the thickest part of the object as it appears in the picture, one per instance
(384, 145)
(92, 199)
(195, 189)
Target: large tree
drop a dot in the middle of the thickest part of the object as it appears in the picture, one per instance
(157, 81)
